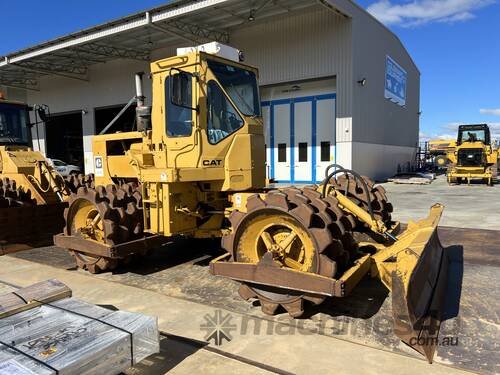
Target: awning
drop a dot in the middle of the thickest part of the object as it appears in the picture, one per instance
(137, 35)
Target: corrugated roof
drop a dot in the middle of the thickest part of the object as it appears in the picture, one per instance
(135, 36)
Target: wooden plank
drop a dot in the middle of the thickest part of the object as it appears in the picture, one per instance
(34, 295)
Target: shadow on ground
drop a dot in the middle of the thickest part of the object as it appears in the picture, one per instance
(453, 295)
(179, 251)
(172, 352)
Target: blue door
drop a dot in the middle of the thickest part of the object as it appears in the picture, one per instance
(300, 137)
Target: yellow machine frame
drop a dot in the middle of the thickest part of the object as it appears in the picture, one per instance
(170, 169)
(192, 187)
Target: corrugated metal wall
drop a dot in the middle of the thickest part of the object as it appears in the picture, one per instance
(376, 119)
(384, 135)
(310, 44)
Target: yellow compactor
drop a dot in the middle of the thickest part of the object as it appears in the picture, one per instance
(32, 194)
(473, 157)
(195, 167)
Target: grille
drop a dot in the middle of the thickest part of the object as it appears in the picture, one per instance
(471, 157)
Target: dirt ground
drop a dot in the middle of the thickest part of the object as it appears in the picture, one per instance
(470, 233)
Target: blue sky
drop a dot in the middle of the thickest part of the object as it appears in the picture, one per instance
(455, 44)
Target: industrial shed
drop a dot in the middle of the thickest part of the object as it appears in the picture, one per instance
(336, 85)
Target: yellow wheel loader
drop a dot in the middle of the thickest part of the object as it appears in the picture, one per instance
(473, 158)
(32, 193)
(195, 167)
(438, 151)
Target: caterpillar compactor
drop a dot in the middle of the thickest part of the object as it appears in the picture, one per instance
(196, 168)
(473, 157)
(32, 194)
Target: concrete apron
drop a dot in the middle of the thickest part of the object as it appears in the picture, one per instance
(299, 353)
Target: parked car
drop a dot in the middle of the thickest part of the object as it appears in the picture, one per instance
(64, 169)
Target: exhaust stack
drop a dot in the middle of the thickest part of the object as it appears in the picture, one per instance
(142, 112)
(138, 89)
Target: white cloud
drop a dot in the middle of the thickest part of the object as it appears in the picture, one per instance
(452, 126)
(417, 12)
(424, 137)
(494, 111)
(449, 131)
(446, 136)
(495, 130)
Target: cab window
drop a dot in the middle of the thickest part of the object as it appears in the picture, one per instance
(223, 118)
(13, 124)
(240, 85)
(179, 119)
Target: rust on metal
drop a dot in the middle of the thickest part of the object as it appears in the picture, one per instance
(304, 232)
(421, 333)
(265, 273)
(122, 250)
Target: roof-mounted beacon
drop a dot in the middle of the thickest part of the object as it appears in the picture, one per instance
(214, 48)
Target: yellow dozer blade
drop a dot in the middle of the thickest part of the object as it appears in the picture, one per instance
(414, 268)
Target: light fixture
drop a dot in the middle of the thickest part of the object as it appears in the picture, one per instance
(251, 16)
(362, 82)
(241, 56)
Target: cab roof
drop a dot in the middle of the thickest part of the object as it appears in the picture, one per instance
(15, 102)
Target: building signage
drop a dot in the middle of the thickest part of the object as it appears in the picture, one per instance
(395, 82)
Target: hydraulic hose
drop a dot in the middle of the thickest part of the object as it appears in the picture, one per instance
(332, 166)
(53, 184)
(357, 176)
(360, 179)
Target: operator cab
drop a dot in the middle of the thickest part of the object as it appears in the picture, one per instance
(232, 97)
(241, 87)
(14, 123)
(212, 120)
(473, 133)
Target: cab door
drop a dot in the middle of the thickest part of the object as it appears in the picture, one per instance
(180, 113)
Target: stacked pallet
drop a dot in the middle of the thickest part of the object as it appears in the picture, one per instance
(44, 331)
